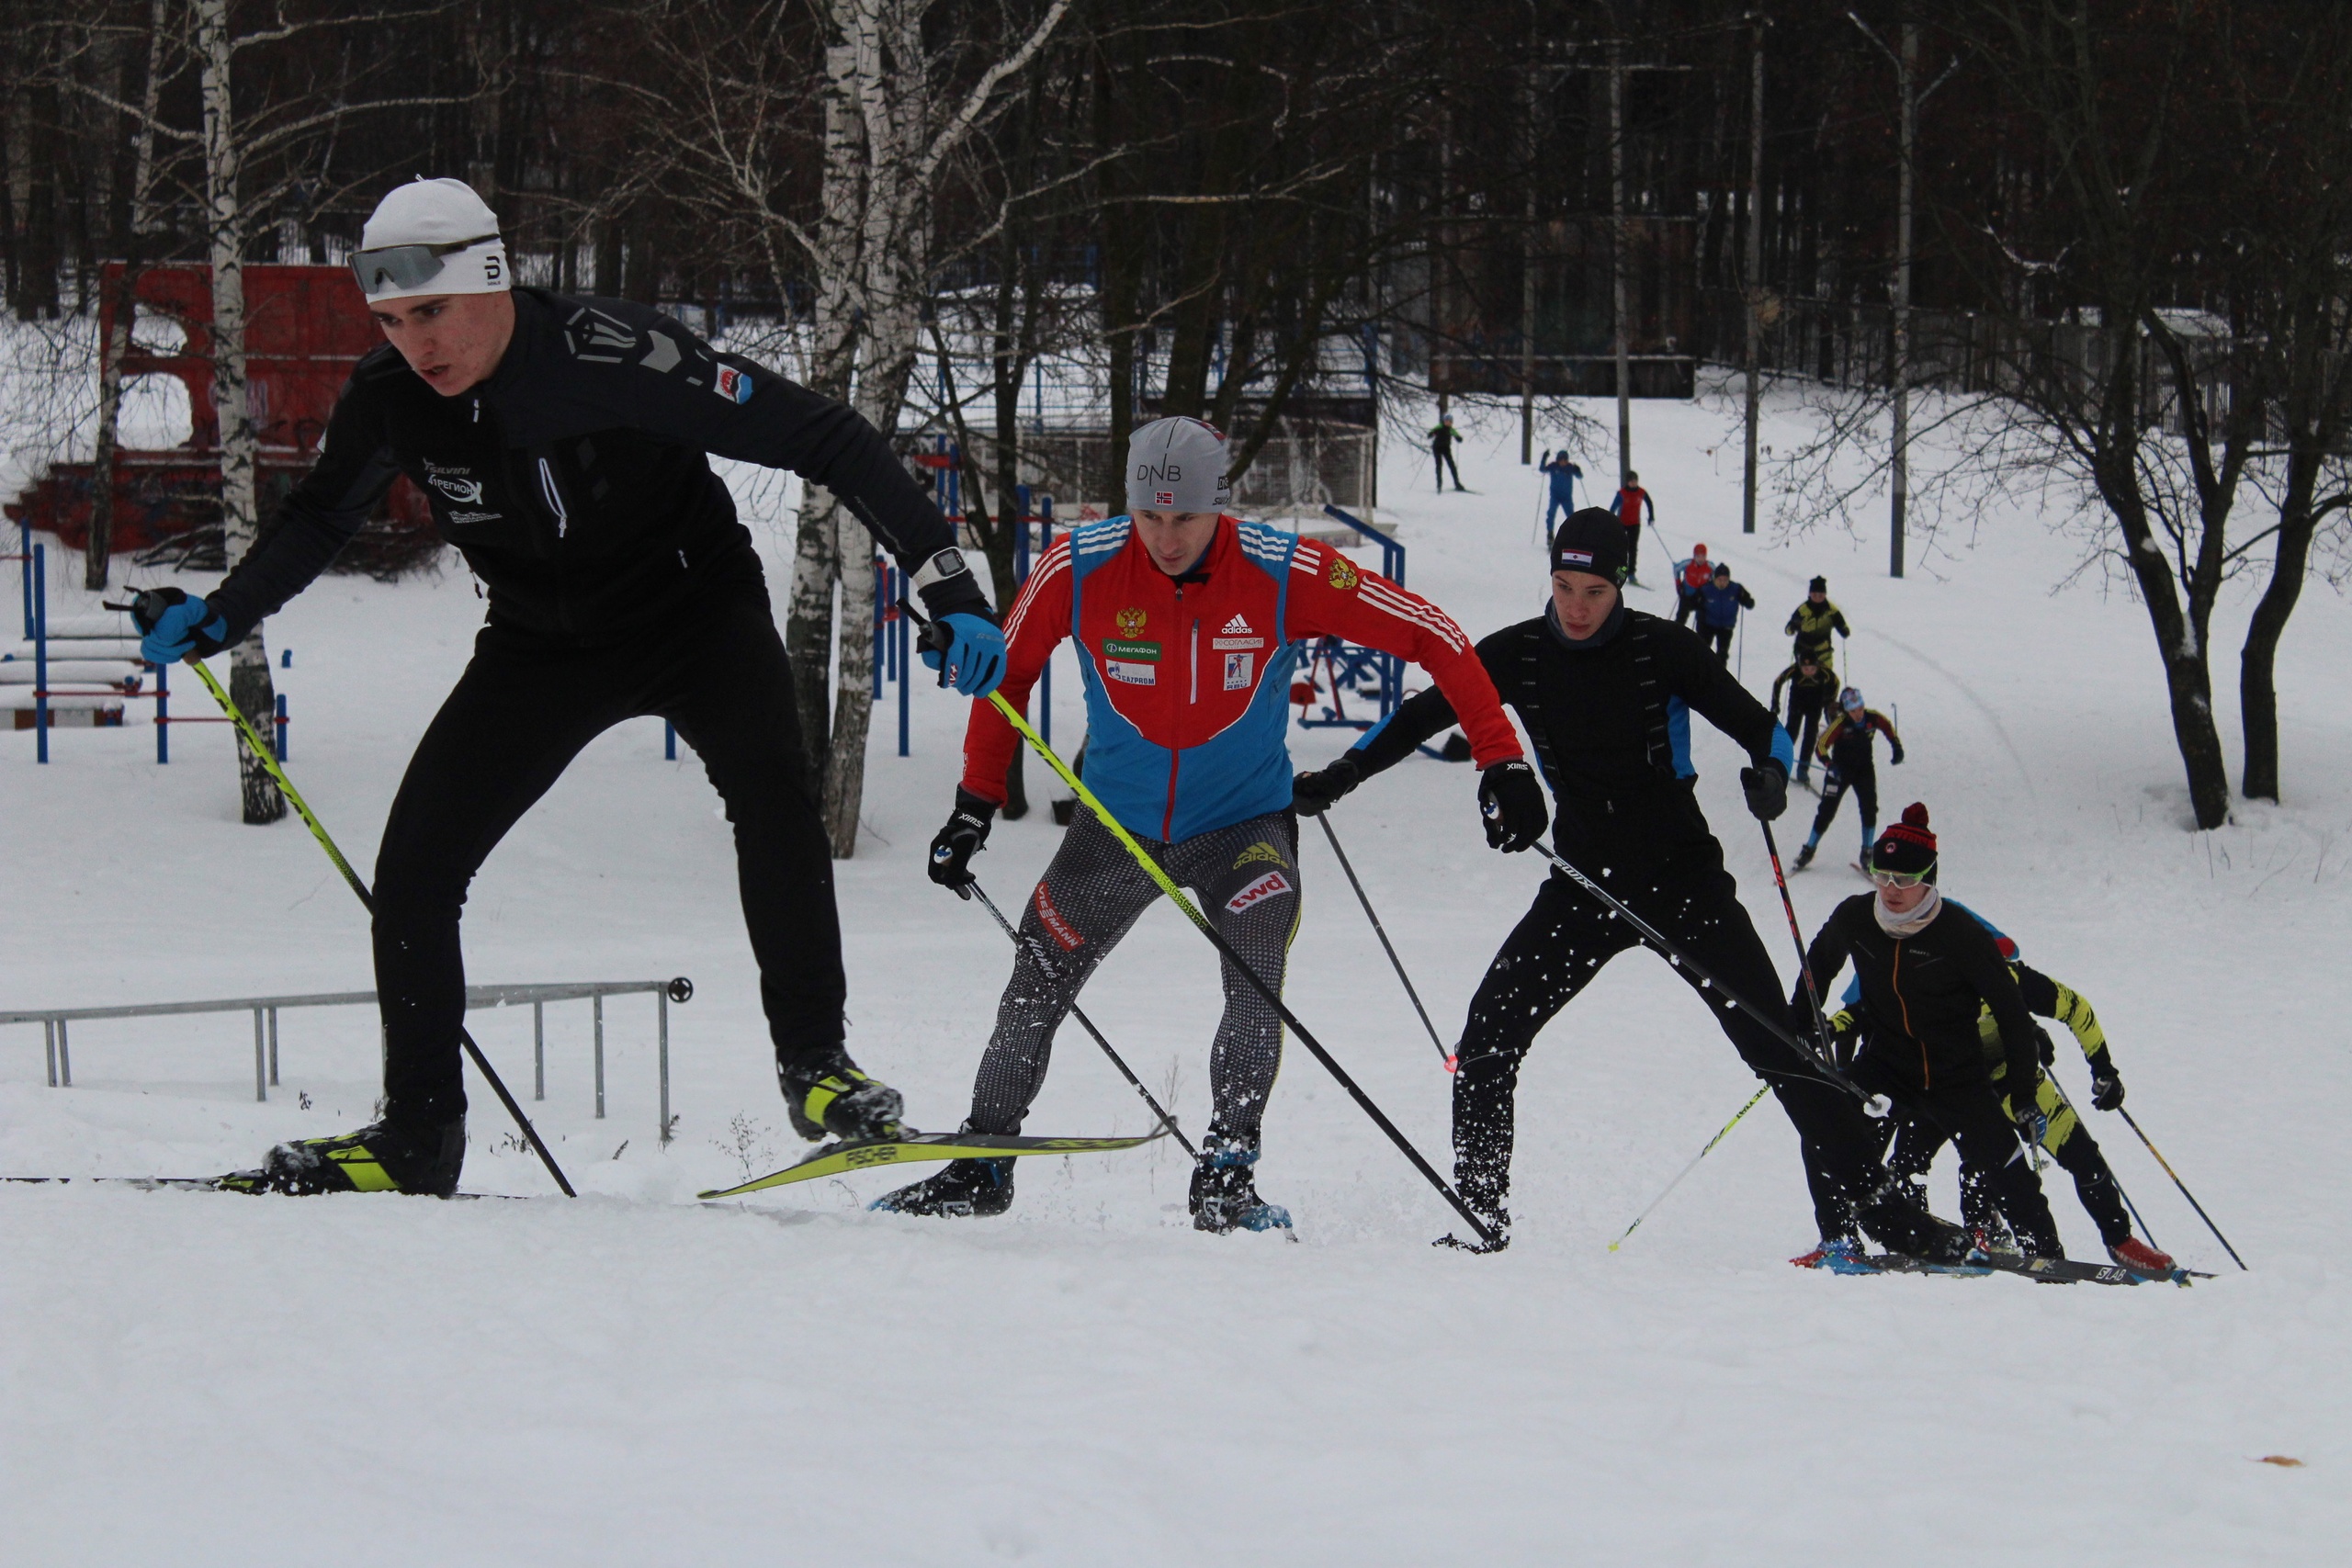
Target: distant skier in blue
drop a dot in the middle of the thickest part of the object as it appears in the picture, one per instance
(1720, 602)
(1565, 475)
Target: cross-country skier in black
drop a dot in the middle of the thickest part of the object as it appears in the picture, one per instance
(1605, 692)
(561, 442)
(1443, 438)
(2070, 1143)
(1927, 971)
(1813, 694)
(1811, 624)
(1845, 746)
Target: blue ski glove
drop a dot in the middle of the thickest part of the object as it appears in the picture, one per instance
(174, 624)
(974, 660)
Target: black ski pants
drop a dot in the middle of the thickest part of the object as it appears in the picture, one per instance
(2076, 1152)
(1834, 782)
(1443, 457)
(1719, 637)
(1968, 1112)
(524, 708)
(1555, 951)
(1808, 708)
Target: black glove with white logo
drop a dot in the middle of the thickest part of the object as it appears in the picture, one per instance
(1311, 794)
(1767, 788)
(1510, 798)
(967, 829)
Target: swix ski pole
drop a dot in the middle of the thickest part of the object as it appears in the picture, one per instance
(972, 890)
(2185, 1192)
(268, 759)
(1450, 1060)
(1761, 1091)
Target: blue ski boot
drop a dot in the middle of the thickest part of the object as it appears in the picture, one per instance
(1839, 1254)
(1225, 1191)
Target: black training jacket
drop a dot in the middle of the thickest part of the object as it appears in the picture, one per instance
(1611, 723)
(574, 478)
(1924, 992)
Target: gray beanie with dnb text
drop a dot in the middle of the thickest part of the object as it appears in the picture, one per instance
(1177, 465)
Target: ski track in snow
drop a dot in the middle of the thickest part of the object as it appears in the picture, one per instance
(630, 1378)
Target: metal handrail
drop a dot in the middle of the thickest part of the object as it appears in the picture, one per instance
(54, 1021)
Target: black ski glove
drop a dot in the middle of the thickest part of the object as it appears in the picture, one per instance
(2106, 1088)
(2032, 1125)
(2049, 1051)
(1768, 789)
(966, 832)
(1510, 798)
(1897, 757)
(1311, 794)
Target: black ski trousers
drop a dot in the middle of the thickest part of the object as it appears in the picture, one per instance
(1834, 782)
(524, 708)
(1806, 710)
(1968, 1112)
(1917, 1144)
(1555, 951)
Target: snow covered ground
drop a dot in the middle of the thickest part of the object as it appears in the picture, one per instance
(632, 1379)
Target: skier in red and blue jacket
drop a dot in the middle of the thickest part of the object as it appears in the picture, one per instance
(1189, 624)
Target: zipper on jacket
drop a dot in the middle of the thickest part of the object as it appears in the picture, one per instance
(1894, 980)
(555, 498)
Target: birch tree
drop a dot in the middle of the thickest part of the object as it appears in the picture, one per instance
(904, 84)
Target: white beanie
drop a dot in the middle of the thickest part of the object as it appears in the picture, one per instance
(435, 212)
(1177, 465)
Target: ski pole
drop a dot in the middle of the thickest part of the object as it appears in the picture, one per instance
(1876, 1104)
(1200, 922)
(2185, 1192)
(1796, 934)
(261, 749)
(972, 890)
(2060, 1091)
(1452, 1061)
(1761, 1091)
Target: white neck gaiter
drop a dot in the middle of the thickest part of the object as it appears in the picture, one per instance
(1919, 919)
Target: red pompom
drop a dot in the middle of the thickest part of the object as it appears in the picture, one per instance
(1914, 815)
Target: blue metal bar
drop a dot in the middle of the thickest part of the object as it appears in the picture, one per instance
(669, 741)
(25, 571)
(1046, 675)
(280, 737)
(40, 568)
(163, 713)
(1392, 567)
(901, 645)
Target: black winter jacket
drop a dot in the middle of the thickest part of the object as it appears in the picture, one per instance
(574, 477)
(1924, 993)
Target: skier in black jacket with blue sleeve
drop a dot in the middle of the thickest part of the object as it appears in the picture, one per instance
(1606, 695)
(563, 444)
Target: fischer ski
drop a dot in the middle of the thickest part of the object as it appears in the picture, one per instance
(916, 1148)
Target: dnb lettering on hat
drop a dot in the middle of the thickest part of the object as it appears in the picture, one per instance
(431, 236)
(1177, 465)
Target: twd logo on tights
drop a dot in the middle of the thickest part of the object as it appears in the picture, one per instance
(1271, 886)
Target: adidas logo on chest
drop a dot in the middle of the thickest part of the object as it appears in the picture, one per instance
(1237, 634)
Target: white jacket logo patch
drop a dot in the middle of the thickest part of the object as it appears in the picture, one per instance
(1273, 884)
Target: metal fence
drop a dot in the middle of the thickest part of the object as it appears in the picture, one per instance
(53, 1022)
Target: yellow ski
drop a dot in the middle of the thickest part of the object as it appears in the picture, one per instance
(915, 1148)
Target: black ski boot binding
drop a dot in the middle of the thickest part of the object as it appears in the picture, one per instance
(388, 1157)
(965, 1190)
(1896, 1225)
(825, 1093)
(1225, 1191)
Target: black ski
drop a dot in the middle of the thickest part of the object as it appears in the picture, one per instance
(196, 1184)
(2057, 1271)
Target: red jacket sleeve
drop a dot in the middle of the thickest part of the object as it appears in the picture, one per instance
(1332, 596)
(1039, 620)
